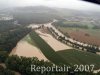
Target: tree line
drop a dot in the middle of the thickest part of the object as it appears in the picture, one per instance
(10, 34)
(9, 39)
(23, 66)
(96, 27)
(89, 48)
(72, 25)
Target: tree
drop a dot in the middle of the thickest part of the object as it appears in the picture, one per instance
(3, 56)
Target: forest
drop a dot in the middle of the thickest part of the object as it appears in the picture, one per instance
(10, 34)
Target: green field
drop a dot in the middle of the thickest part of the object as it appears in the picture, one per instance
(47, 50)
(68, 57)
(29, 40)
(79, 57)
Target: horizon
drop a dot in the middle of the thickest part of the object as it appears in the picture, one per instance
(72, 4)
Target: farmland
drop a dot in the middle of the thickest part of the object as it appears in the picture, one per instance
(28, 48)
(46, 49)
(50, 40)
(79, 32)
(92, 32)
(29, 40)
(66, 56)
(70, 56)
(45, 36)
(79, 57)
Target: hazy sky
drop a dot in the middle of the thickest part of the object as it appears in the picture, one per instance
(73, 4)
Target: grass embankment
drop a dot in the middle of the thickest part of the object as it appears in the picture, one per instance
(80, 57)
(47, 50)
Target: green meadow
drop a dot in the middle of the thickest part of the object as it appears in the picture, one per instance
(68, 57)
